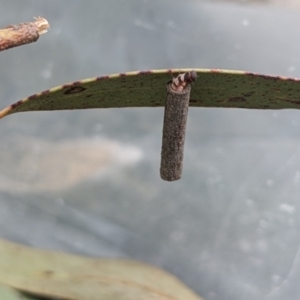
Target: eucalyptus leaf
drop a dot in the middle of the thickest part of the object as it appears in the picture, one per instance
(213, 88)
(7, 293)
(68, 276)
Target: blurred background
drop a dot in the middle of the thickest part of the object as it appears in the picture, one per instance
(88, 182)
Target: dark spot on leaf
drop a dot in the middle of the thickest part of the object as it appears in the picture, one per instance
(16, 104)
(102, 77)
(32, 96)
(74, 90)
(293, 101)
(145, 72)
(250, 74)
(272, 77)
(48, 272)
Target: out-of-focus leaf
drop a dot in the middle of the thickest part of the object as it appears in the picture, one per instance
(73, 277)
(7, 293)
(213, 88)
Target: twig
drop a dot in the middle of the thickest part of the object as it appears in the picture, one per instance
(21, 34)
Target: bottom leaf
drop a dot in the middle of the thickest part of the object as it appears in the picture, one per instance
(73, 277)
(8, 293)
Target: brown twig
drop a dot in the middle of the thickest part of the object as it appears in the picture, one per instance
(21, 34)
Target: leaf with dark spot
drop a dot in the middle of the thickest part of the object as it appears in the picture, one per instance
(214, 88)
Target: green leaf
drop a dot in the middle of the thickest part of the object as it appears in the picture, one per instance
(67, 276)
(213, 88)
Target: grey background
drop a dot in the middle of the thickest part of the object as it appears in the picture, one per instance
(88, 182)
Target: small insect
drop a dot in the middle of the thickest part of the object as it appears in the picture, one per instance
(174, 127)
(179, 83)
